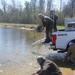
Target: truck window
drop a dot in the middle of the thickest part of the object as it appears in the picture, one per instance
(71, 25)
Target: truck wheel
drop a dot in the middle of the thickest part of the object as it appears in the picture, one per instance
(61, 51)
(69, 45)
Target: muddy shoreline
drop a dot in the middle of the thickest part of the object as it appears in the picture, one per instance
(25, 63)
(20, 27)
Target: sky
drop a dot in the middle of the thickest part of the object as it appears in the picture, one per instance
(56, 2)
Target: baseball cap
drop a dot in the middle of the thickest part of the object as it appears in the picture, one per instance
(40, 59)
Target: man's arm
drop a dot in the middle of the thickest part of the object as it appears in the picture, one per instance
(40, 72)
(36, 73)
(55, 17)
(44, 70)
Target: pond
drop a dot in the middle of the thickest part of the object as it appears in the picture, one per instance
(17, 55)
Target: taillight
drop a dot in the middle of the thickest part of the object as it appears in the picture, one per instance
(53, 39)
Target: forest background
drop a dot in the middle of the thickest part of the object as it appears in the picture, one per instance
(15, 12)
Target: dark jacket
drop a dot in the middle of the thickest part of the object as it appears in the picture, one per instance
(47, 22)
(49, 68)
(54, 18)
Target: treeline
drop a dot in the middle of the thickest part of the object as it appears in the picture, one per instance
(15, 12)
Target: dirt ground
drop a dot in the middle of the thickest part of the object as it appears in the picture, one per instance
(29, 69)
(30, 66)
(66, 68)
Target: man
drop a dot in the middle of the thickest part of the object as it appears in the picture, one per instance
(54, 18)
(47, 23)
(48, 67)
(71, 53)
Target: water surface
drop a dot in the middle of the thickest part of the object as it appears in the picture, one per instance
(16, 50)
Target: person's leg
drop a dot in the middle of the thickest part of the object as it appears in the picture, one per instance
(55, 28)
(48, 39)
(50, 33)
(47, 34)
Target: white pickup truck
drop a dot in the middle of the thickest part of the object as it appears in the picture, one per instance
(62, 38)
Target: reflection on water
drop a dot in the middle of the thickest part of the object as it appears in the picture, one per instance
(12, 40)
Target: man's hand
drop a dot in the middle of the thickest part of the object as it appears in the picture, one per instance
(34, 74)
(44, 29)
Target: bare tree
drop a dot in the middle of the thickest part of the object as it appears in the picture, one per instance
(49, 6)
(33, 7)
(13, 3)
(60, 15)
(4, 4)
(41, 6)
(61, 5)
(72, 7)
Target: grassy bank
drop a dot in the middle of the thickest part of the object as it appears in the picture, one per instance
(24, 25)
(18, 25)
(60, 27)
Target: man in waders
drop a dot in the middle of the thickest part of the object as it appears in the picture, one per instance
(48, 24)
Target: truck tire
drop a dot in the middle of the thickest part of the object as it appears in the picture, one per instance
(69, 45)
